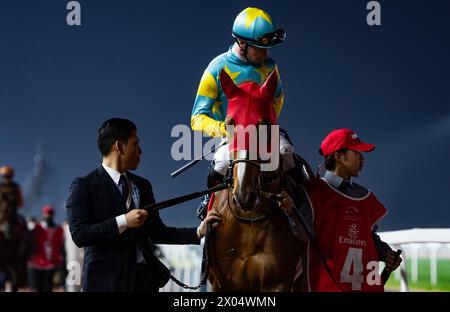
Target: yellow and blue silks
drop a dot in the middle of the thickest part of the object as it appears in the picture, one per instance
(210, 107)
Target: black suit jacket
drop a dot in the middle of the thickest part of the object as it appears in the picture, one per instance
(110, 258)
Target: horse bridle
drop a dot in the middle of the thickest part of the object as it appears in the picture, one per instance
(274, 197)
(265, 194)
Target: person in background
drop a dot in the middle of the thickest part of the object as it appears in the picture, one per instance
(11, 200)
(47, 252)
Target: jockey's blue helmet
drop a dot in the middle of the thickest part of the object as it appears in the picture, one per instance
(257, 28)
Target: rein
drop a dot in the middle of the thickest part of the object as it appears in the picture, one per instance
(274, 197)
(228, 186)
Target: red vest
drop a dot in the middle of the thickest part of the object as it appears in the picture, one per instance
(343, 230)
(47, 250)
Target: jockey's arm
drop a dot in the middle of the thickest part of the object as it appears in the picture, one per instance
(279, 95)
(206, 124)
(207, 95)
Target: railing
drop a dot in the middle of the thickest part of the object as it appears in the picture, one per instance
(433, 244)
(185, 264)
(418, 243)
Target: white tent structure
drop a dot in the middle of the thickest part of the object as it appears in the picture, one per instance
(414, 242)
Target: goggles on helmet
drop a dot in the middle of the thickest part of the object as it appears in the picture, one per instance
(268, 40)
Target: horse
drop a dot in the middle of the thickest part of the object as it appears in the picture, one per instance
(253, 247)
(14, 244)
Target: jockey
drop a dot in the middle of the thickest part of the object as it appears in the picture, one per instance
(254, 32)
(10, 200)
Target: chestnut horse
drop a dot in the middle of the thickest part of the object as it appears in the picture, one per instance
(253, 248)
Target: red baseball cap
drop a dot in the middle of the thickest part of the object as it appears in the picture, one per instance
(48, 209)
(343, 138)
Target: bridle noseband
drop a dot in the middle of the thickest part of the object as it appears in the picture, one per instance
(259, 190)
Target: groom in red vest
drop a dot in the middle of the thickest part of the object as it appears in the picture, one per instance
(345, 215)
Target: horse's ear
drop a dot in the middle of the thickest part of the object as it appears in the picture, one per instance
(270, 86)
(228, 86)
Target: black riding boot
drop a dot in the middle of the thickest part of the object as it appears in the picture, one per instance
(214, 178)
(302, 172)
(298, 175)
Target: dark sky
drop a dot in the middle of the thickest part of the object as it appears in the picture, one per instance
(143, 60)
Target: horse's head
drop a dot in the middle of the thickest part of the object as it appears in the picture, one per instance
(253, 188)
(251, 105)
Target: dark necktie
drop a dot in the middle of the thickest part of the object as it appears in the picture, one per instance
(123, 186)
(344, 187)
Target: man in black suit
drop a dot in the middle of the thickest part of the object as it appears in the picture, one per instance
(104, 216)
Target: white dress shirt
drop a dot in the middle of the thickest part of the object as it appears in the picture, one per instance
(115, 176)
(121, 220)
